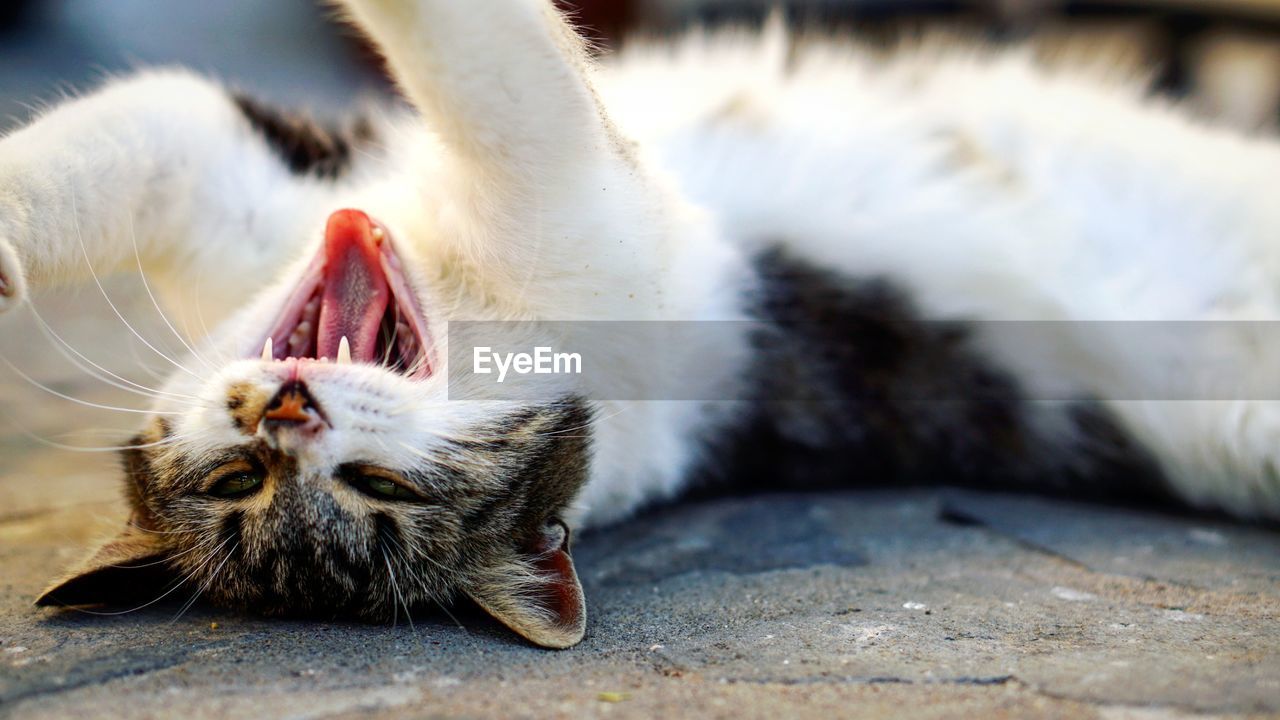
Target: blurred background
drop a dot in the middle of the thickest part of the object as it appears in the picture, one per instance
(1222, 57)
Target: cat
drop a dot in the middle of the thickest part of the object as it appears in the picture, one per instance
(916, 268)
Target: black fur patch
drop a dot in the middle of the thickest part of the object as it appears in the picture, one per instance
(233, 531)
(137, 476)
(306, 147)
(321, 567)
(853, 386)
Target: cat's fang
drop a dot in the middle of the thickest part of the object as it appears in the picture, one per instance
(344, 351)
(268, 352)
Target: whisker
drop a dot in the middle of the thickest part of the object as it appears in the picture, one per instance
(445, 458)
(133, 387)
(204, 328)
(455, 437)
(395, 588)
(418, 363)
(395, 333)
(204, 587)
(91, 431)
(181, 581)
(143, 275)
(76, 400)
(402, 555)
(395, 584)
(594, 421)
(158, 375)
(75, 219)
(583, 426)
(165, 532)
(414, 450)
(184, 553)
(110, 449)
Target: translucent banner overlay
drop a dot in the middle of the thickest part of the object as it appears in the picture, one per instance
(806, 361)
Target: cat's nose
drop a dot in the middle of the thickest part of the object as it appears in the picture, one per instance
(293, 409)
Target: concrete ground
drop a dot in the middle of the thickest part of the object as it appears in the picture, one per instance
(869, 603)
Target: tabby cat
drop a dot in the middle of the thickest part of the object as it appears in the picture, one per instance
(946, 265)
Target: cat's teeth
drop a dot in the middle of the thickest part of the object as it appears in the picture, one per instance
(378, 235)
(344, 351)
(268, 353)
(300, 338)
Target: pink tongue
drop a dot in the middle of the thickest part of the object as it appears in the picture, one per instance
(356, 293)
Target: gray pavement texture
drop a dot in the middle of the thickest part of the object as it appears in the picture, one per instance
(860, 603)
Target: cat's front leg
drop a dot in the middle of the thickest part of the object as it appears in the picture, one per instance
(506, 83)
(552, 209)
(162, 170)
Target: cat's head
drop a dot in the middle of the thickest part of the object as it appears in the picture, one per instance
(331, 475)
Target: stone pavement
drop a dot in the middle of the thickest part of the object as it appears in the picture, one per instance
(928, 603)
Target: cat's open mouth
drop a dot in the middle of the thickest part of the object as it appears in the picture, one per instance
(353, 304)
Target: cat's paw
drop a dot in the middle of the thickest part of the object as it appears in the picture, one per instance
(13, 286)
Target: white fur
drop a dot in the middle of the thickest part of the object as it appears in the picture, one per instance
(1074, 199)
(991, 189)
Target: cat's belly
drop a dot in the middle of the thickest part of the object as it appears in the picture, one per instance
(989, 192)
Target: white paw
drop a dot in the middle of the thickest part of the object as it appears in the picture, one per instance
(13, 286)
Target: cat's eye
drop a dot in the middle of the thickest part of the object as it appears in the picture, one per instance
(237, 484)
(381, 486)
(388, 489)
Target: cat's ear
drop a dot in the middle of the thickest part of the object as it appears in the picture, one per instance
(128, 569)
(544, 602)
